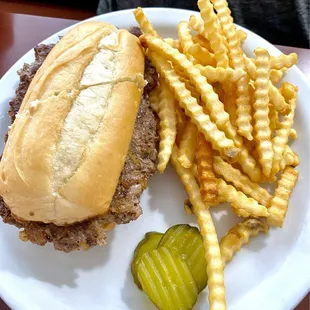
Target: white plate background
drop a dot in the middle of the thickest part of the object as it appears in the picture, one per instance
(272, 272)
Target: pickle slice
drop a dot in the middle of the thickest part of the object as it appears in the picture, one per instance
(187, 242)
(167, 280)
(149, 243)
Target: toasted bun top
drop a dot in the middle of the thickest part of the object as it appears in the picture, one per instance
(68, 144)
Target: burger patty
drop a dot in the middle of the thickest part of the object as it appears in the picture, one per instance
(140, 164)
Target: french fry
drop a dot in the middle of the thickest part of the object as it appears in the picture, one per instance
(188, 84)
(193, 49)
(215, 269)
(168, 130)
(293, 134)
(206, 177)
(289, 158)
(185, 37)
(144, 23)
(188, 145)
(240, 235)
(241, 35)
(280, 200)
(229, 100)
(205, 89)
(172, 42)
(240, 212)
(194, 170)
(250, 67)
(274, 117)
(182, 120)
(236, 56)
(193, 109)
(283, 60)
(249, 165)
(241, 181)
(261, 111)
(275, 96)
(202, 41)
(276, 75)
(240, 200)
(202, 55)
(288, 91)
(281, 137)
(209, 97)
(278, 100)
(219, 74)
(196, 23)
(215, 37)
(154, 100)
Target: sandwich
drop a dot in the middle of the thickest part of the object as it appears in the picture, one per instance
(83, 140)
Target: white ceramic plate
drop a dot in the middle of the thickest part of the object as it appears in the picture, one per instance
(272, 272)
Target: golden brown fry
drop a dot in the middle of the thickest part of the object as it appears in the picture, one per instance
(278, 100)
(229, 100)
(144, 23)
(240, 200)
(241, 181)
(215, 269)
(236, 56)
(241, 35)
(182, 120)
(211, 25)
(240, 212)
(188, 84)
(289, 158)
(274, 117)
(249, 165)
(196, 23)
(209, 97)
(216, 107)
(168, 130)
(202, 55)
(188, 145)
(281, 137)
(276, 75)
(185, 37)
(240, 235)
(202, 41)
(250, 67)
(194, 170)
(220, 74)
(293, 134)
(275, 96)
(193, 109)
(283, 60)
(288, 91)
(172, 42)
(206, 177)
(262, 122)
(154, 99)
(280, 200)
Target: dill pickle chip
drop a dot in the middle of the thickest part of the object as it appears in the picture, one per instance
(149, 243)
(187, 242)
(167, 280)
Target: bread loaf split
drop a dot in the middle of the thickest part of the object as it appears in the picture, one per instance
(68, 144)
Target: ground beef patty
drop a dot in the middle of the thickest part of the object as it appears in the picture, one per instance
(140, 164)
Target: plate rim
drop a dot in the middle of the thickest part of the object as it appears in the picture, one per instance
(304, 286)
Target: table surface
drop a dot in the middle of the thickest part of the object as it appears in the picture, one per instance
(20, 33)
